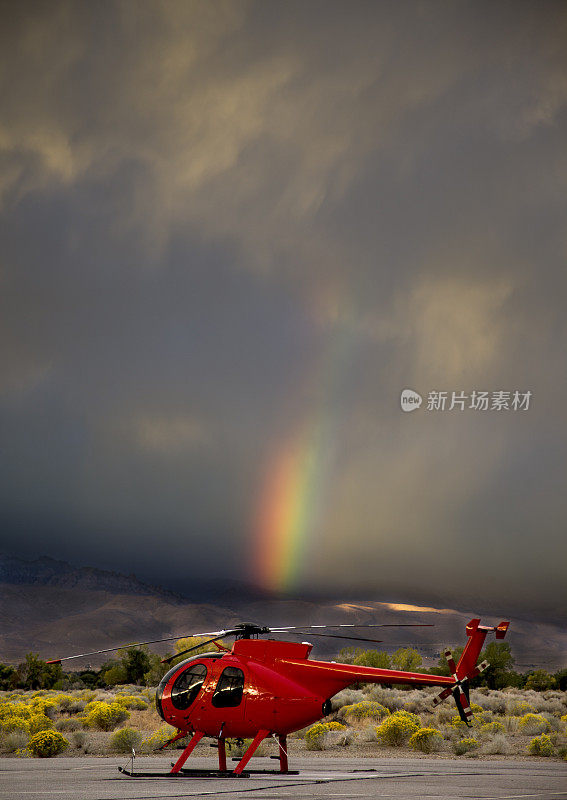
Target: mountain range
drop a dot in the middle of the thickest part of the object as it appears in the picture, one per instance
(55, 609)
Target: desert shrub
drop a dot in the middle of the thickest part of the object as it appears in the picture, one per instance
(540, 746)
(397, 728)
(18, 716)
(533, 723)
(498, 745)
(158, 738)
(418, 701)
(553, 721)
(346, 697)
(466, 745)
(483, 717)
(15, 740)
(443, 714)
(518, 707)
(366, 732)
(367, 709)
(239, 746)
(334, 726)
(69, 704)
(47, 744)
(39, 722)
(511, 724)
(64, 701)
(342, 738)
(491, 728)
(494, 701)
(123, 740)
(131, 702)
(459, 725)
(67, 724)
(12, 723)
(14, 716)
(104, 716)
(551, 705)
(426, 739)
(79, 739)
(44, 707)
(393, 699)
(413, 717)
(316, 736)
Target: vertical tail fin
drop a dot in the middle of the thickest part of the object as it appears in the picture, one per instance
(467, 668)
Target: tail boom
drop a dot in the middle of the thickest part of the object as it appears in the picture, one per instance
(326, 678)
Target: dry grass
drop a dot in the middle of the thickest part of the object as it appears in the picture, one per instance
(497, 727)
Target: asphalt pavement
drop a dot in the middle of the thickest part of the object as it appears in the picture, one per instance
(92, 778)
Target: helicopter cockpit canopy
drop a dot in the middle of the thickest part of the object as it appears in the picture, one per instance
(188, 683)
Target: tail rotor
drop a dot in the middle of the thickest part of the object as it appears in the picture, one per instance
(464, 671)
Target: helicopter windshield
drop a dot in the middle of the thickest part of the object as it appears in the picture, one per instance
(187, 686)
(168, 676)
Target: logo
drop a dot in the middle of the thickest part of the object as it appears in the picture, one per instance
(410, 400)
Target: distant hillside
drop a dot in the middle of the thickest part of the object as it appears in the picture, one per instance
(47, 571)
(55, 609)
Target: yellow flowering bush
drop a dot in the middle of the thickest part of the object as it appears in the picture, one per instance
(39, 722)
(68, 703)
(47, 744)
(533, 723)
(158, 738)
(490, 728)
(520, 707)
(398, 728)
(41, 705)
(123, 740)
(14, 717)
(132, 702)
(104, 716)
(315, 736)
(426, 739)
(541, 746)
(466, 745)
(366, 709)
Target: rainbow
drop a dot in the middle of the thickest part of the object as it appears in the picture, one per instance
(289, 516)
(289, 510)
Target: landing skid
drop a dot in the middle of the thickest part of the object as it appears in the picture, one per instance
(205, 773)
(185, 773)
(178, 770)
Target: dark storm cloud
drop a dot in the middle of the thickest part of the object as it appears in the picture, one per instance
(203, 204)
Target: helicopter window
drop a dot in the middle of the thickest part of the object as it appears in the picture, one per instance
(229, 688)
(187, 686)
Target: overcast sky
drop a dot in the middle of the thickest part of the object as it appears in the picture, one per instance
(230, 230)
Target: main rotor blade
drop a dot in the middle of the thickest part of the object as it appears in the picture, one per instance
(223, 635)
(337, 636)
(281, 629)
(131, 644)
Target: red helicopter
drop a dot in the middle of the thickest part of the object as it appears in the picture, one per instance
(269, 687)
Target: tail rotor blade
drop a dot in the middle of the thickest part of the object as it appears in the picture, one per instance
(451, 663)
(442, 696)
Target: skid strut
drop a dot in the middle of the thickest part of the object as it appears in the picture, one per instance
(179, 771)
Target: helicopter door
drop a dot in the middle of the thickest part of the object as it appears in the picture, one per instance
(230, 689)
(222, 704)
